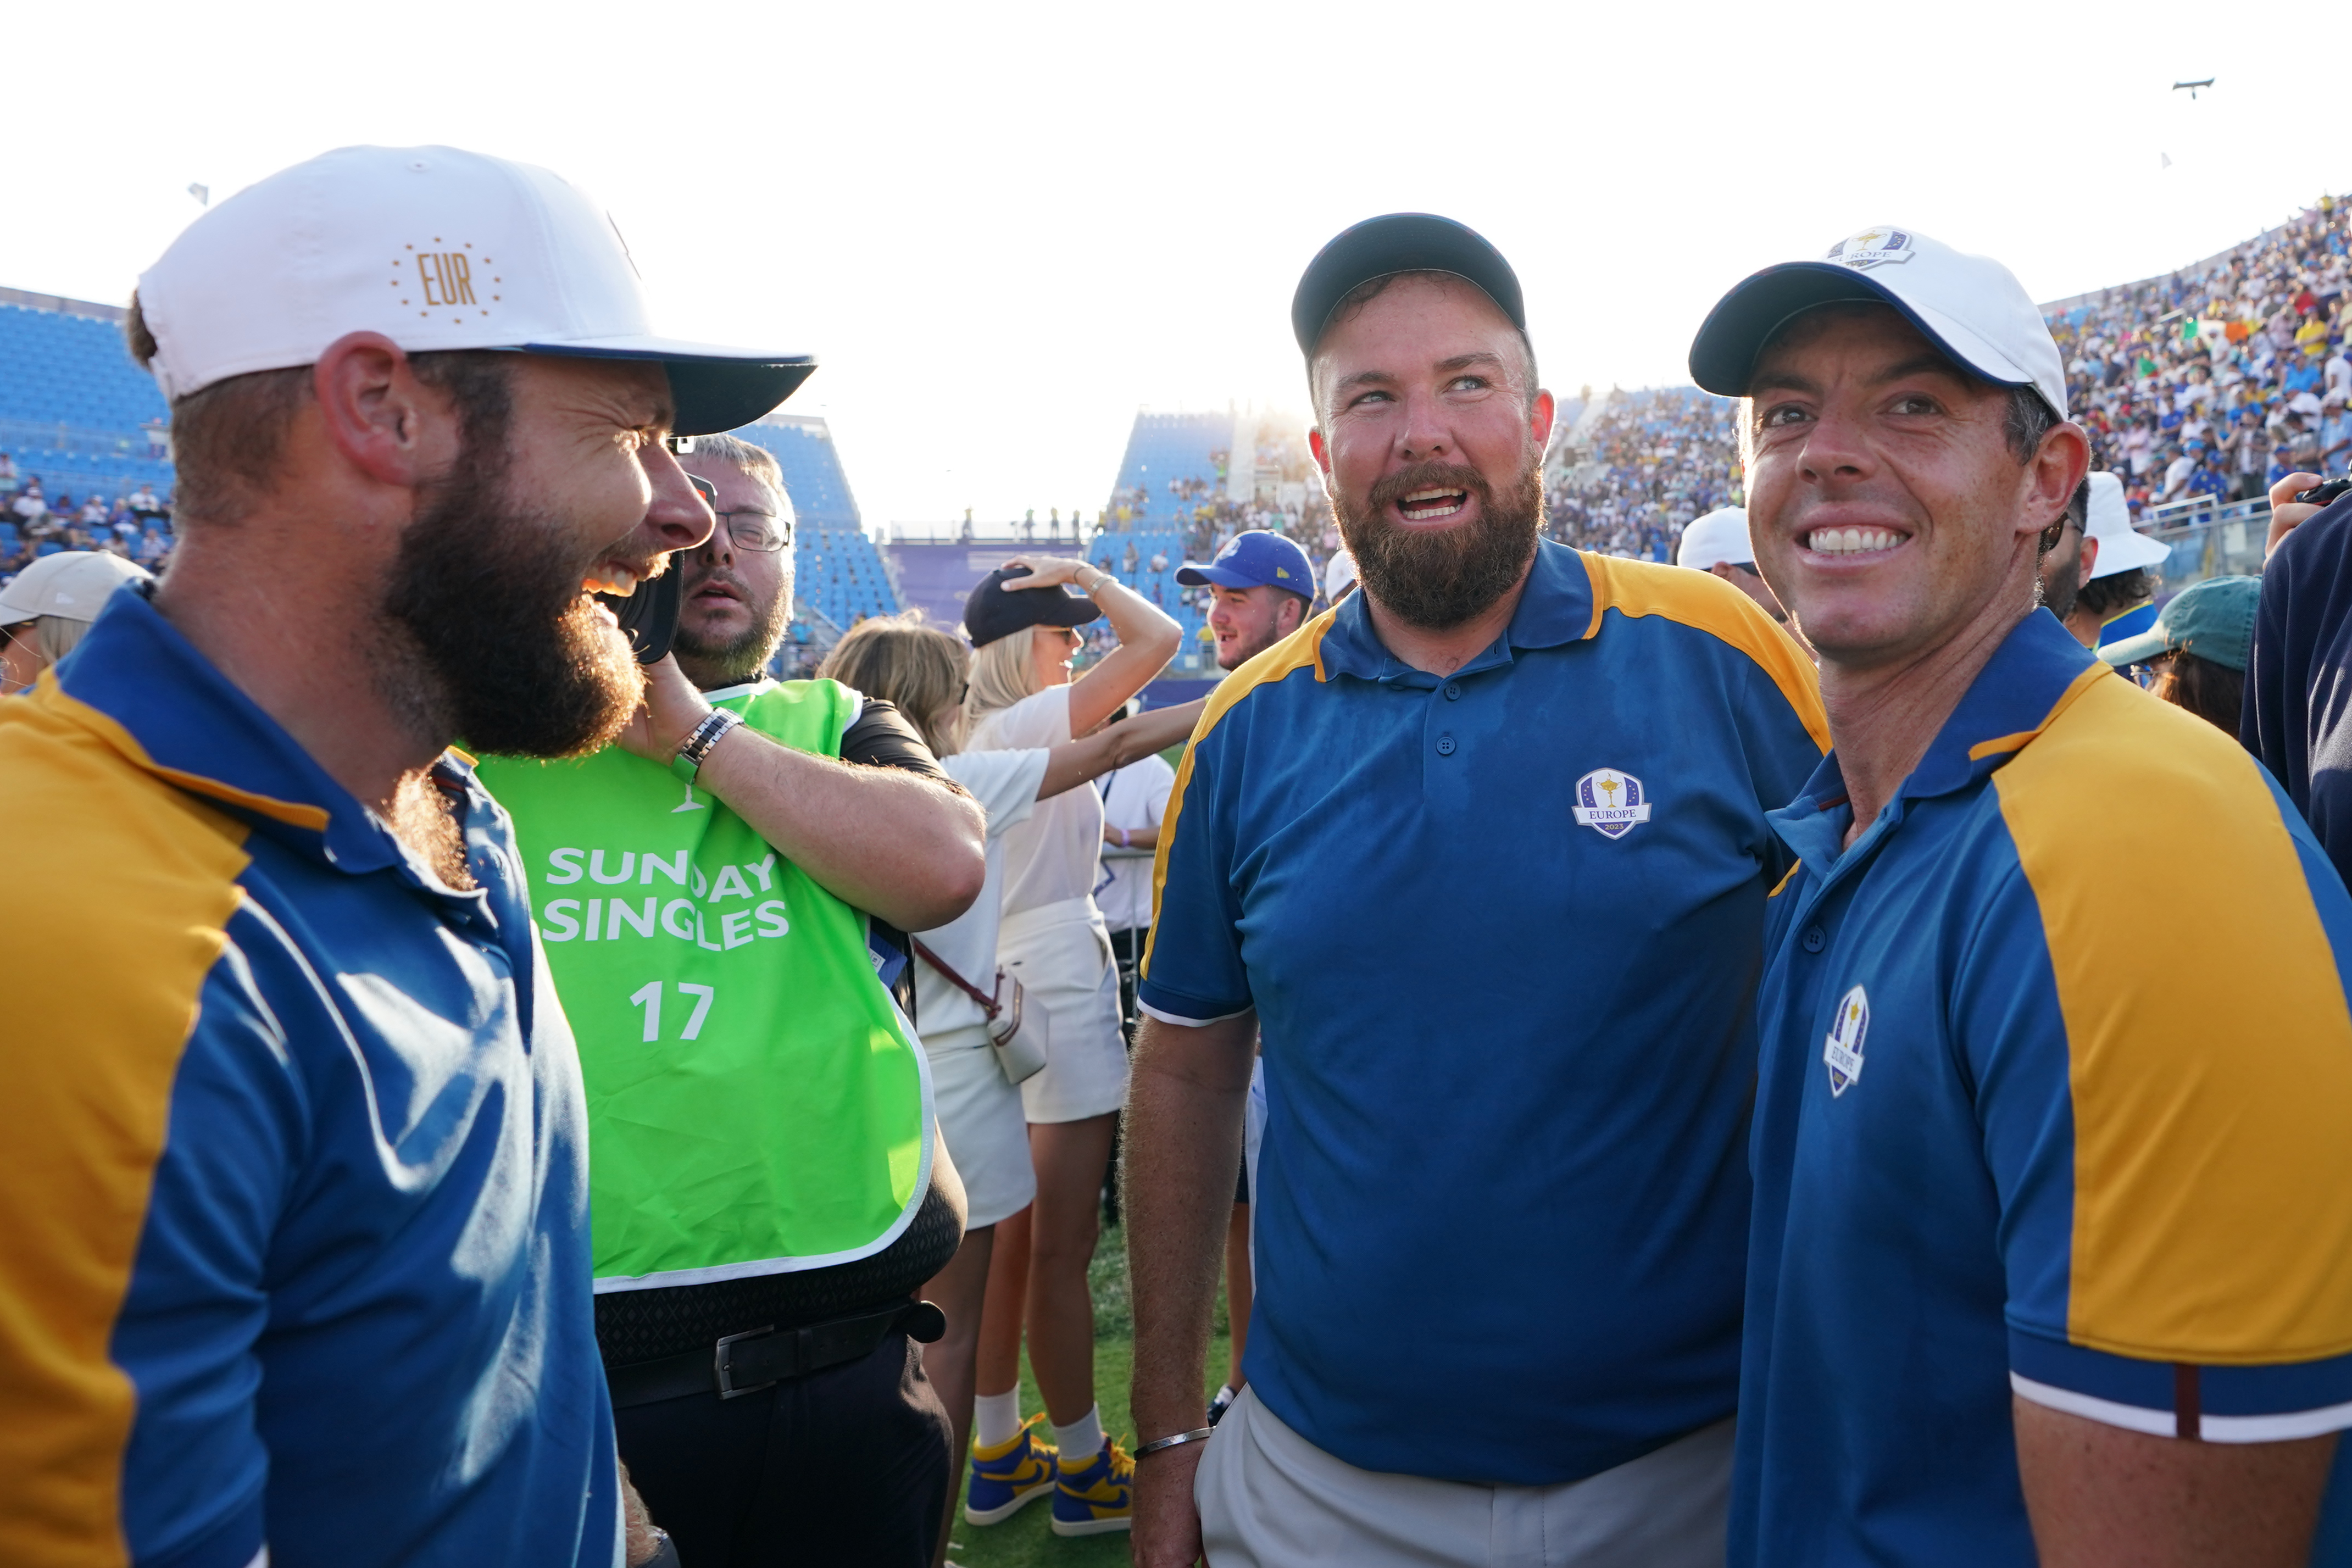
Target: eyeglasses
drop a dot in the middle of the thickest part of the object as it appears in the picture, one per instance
(762, 532)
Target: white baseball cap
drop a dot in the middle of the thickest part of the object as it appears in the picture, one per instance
(437, 249)
(1972, 307)
(1337, 573)
(1720, 535)
(72, 584)
(2121, 546)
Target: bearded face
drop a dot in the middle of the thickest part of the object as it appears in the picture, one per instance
(489, 634)
(1439, 578)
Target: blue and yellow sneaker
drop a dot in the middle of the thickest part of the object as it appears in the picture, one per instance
(1096, 1498)
(1015, 1472)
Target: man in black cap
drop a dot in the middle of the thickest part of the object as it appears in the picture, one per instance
(1499, 1206)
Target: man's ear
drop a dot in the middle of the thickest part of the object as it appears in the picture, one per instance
(2055, 473)
(379, 418)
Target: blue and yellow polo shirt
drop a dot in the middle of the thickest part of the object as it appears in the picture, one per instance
(2055, 1101)
(293, 1198)
(1502, 931)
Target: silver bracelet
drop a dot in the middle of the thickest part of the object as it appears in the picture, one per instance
(1195, 1436)
(697, 745)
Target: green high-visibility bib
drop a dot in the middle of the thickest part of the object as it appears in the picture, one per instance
(756, 1102)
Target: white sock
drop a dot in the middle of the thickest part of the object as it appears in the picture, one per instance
(995, 1417)
(1082, 1439)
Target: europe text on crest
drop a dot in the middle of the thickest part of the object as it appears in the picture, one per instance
(1872, 247)
(1844, 1050)
(1610, 803)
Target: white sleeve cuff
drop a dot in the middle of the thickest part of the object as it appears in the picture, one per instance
(1183, 1023)
(2283, 1427)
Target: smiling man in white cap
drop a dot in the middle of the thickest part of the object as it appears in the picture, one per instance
(2046, 1264)
(296, 1209)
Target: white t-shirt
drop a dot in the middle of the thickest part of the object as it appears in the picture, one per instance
(1055, 856)
(1005, 785)
(1135, 796)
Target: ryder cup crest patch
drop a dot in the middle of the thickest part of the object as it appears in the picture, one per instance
(1872, 247)
(1610, 803)
(1842, 1052)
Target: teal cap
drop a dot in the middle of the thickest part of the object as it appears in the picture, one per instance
(2213, 619)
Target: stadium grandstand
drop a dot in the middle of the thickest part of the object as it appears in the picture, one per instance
(839, 576)
(85, 459)
(2201, 387)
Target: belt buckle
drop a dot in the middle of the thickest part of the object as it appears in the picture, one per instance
(722, 1362)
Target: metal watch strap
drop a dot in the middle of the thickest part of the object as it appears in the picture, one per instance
(705, 735)
(1196, 1435)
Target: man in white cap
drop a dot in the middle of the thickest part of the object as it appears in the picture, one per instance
(295, 1206)
(48, 607)
(2044, 1264)
(1717, 543)
(2099, 579)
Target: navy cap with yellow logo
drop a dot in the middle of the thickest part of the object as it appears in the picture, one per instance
(1253, 559)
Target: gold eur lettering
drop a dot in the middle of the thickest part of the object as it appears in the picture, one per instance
(447, 271)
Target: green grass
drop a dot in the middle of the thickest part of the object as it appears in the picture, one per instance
(1026, 1541)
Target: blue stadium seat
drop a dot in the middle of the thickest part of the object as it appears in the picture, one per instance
(839, 570)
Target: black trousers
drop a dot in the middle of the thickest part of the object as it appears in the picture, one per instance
(845, 1467)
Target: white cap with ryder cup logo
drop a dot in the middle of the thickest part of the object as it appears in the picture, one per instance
(1972, 307)
(437, 249)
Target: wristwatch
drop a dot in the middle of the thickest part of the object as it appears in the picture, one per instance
(703, 737)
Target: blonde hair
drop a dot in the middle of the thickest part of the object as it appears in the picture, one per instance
(56, 635)
(1003, 673)
(902, 659)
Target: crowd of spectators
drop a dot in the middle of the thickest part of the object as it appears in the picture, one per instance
(2219, 379)
(1645, 463)
(37, 522)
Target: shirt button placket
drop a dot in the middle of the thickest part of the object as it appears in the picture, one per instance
(1444, 745)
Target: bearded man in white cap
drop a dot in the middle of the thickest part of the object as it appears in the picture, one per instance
(296, 1208)
(2046, 1264)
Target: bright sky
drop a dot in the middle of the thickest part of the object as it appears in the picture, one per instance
(1004, 228)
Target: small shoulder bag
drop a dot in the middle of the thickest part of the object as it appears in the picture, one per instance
(1018, 1040)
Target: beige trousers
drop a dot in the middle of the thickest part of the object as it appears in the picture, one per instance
(1269, 1499)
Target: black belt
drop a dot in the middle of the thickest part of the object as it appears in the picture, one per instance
(754, 1360)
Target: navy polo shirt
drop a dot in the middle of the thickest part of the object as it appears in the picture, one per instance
(294, 1198)
(2056, 1080)
(2298, 713)
(1501, 930)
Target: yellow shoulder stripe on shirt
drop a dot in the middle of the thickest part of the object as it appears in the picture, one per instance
(120, 888)
(1301, 650)
(2209, 1048)
(291, 813)
(1706, 602)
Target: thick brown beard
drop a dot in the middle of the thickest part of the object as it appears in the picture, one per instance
(491, 638)
(1438, 578)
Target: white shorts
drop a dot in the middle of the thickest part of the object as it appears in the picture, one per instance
(981, 1123)
(1061, 954)
(1270, 1498)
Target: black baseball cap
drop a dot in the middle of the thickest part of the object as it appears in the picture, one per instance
(1400, 242)
(990, 611)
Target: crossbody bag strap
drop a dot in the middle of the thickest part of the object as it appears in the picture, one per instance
(987, 1003)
